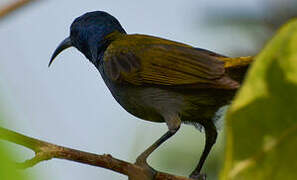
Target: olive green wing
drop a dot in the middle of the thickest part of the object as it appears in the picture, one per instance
(164, 63)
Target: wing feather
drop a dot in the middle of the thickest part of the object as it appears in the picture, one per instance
(148, 60)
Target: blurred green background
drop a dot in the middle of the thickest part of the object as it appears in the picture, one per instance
(54, 104)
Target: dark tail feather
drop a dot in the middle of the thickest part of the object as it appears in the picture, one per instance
(237, 73)
(236, 68)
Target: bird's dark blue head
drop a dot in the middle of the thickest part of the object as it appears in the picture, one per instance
(88, 33)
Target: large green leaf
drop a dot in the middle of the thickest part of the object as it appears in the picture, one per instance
(262, 121)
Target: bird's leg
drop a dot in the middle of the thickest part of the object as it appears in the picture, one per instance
(210, 139)
(141, 159)
(173, 126)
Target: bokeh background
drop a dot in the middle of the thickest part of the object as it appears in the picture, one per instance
(69, 104)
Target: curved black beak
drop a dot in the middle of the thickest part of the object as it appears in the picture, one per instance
(62, 46)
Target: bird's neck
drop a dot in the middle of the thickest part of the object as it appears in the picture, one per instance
(98, 52)
(113, 36)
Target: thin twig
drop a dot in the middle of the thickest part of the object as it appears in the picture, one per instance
(13, 6)
(46, 151)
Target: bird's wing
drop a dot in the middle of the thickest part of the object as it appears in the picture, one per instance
(142, 60)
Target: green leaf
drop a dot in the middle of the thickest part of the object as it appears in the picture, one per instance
(262, 121)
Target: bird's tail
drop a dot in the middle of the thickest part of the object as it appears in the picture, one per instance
(236, 67)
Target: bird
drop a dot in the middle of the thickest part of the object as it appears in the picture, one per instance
(158, 80)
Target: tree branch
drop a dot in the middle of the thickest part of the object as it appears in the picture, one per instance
(13, 6)
(46, 151)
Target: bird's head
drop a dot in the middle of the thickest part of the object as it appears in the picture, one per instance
(88, 33)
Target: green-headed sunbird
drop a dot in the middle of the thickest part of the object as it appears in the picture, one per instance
(157, 79)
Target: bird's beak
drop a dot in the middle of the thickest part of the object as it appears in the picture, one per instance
(62, 46)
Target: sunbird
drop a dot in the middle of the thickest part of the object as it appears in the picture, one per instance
(156, 79)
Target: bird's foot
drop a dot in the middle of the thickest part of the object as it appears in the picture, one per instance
(198, 176)
(149, 170)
